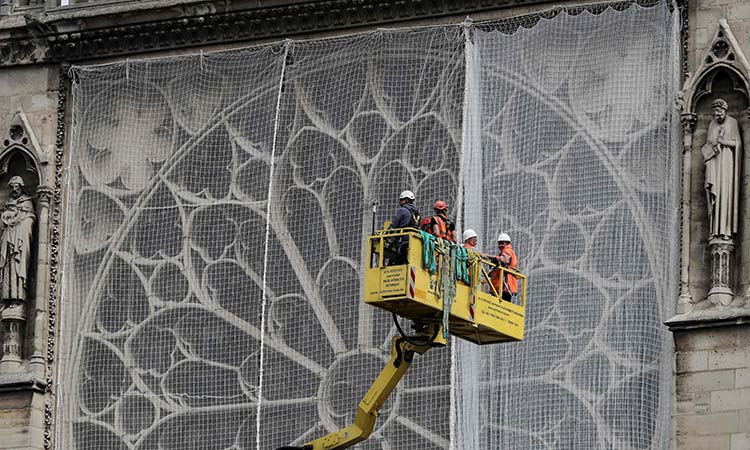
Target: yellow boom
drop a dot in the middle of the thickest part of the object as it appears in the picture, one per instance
(444, 285)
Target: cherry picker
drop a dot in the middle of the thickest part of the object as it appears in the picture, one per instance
(443, 289)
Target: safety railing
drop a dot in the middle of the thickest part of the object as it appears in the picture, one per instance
(385, 252)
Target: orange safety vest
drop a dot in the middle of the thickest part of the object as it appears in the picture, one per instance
(443, 231)
(510, 280)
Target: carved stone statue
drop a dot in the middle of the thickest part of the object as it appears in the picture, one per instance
(721, 154)
(16, 227)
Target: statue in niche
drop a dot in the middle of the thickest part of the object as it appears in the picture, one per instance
(721, 154)
(16, 227)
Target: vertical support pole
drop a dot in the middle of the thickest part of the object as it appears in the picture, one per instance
(44, 194)
(685, 301)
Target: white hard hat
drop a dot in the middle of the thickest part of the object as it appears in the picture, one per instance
(503, 237)
(407, 194)
(468, 234)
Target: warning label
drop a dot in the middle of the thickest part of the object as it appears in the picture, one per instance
(501, 313)
(393, 281)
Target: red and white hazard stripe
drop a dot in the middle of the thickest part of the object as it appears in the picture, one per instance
(412, 281)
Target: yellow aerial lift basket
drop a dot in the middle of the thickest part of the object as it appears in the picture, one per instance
(409, 288)
(444, 289)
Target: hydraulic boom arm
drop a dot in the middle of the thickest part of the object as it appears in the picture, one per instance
(402, 354)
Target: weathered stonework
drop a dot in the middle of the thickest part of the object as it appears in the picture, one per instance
(28, 101)
(712, 392)
(711, 397)
(65, 35)
(712, 363)
(711, 286)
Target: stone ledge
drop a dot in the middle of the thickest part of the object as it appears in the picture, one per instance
(21, 381)
(93, 33)
(709, 318)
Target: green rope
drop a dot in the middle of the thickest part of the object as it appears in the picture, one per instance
(461, 260)
(449, 285)
(453, 266)
(428, 252)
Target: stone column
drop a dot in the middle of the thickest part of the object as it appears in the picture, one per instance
(44, 195)
(6, 7)
(721, 249)
(685, 301)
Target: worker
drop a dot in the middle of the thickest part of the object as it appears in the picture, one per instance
(442, 227)
(407, 216)
(506, 258)
(470, 239)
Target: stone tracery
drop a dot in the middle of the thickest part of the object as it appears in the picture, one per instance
(170, 348)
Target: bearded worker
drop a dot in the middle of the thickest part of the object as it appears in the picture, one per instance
(721, 154)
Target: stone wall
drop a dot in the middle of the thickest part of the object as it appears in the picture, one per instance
(712, 382)
(712, 364)
(32, 90)
(704, 16)
(703, 24)
(711, 401)
(21, 419)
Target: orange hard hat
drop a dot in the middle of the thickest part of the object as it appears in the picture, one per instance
(441, 205)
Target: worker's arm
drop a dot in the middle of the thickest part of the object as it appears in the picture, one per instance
(452, 228)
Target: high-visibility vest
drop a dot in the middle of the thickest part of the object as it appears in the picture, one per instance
(443, 231)
(511, 283)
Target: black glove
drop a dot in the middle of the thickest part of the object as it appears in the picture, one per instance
(451, 226)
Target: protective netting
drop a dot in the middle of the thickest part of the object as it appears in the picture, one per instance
(218, 204)
(574, 128)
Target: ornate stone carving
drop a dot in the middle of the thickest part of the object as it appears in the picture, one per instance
(20, 138)
(13, 319)
(688, 126)
(183, 26)
(721, 154)
(17, 219)
(723, 72)
(721, 254)
(54, 254)
(21, 157)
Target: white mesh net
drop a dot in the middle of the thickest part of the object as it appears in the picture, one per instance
(218, 205)
(574, 128)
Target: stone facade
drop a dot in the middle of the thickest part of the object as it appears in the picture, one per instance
(712, 388)
(712, 342)
(30, 98)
